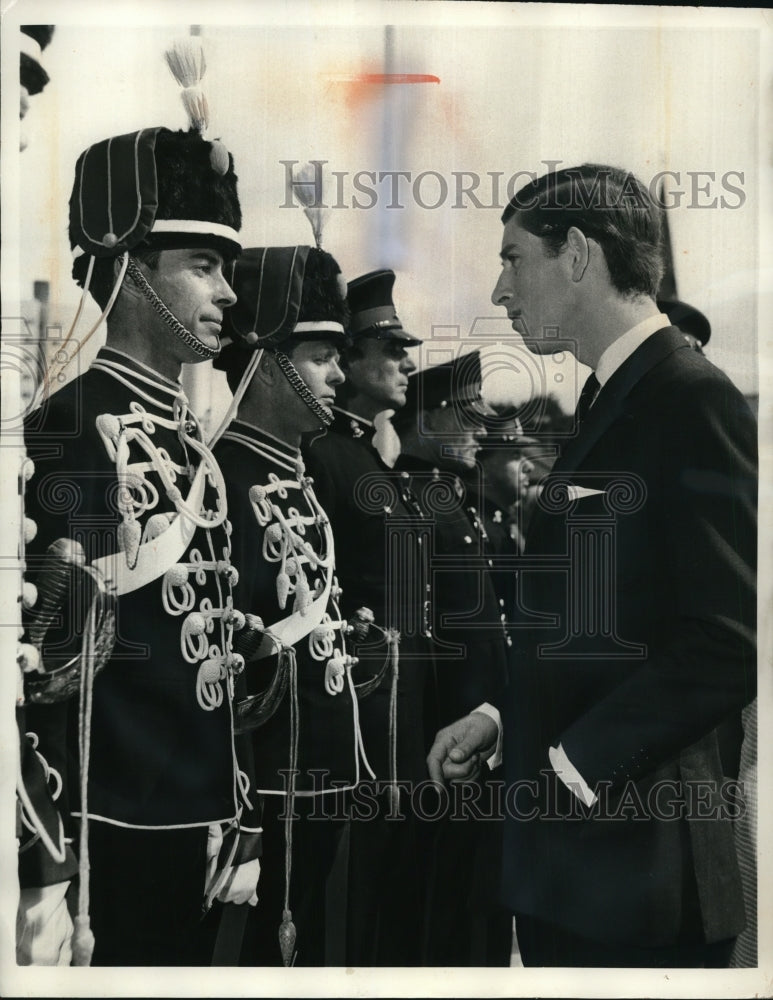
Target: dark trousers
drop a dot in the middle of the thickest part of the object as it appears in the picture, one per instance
(146, 890)
(544, 944)
(464, 924)
(387, 877)
(315, 838)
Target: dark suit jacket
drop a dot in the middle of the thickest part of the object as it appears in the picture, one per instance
(651, 582)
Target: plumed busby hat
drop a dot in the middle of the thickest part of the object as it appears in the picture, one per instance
(372, 310)
(284, 294)
(455, 384)
(34, 38)
(157, 189)
(687, 318)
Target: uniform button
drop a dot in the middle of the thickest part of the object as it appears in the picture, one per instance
(490, 562)
(468, 540)
(501, 602)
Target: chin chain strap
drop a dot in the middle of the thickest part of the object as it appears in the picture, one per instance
(139, 279)
(290, 372)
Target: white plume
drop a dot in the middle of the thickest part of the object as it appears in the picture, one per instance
(308, 188)
(185, 59)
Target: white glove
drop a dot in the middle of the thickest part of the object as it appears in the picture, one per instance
(43, 926)
(241, 883)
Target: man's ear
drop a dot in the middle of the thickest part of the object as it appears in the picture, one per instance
(267, 370)
(128, 288)
(579, 251)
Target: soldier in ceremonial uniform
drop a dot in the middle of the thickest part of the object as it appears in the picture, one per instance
(503, 484)
(301, 707)
(368, 503)
(441, 429)
(133, 555)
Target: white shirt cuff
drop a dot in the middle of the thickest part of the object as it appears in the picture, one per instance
(493, 713)
(570, 776)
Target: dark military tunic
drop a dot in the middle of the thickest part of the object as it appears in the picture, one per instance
(469, 647)
(380, 538)
(380, 566)
(283, 540)
(121, 468)
(464, 926)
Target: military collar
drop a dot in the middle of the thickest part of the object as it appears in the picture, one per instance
(259, 440)
(138, 368)
(352, 424)
(147, 383)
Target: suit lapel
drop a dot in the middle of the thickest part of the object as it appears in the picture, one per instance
(610, 400)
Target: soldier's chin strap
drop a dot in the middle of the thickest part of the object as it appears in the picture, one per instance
(293, 376)
(189, 339)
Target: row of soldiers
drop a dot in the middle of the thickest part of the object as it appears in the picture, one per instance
(238, 650)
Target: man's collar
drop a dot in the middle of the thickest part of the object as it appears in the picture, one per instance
(138, 367)
(622, 348)
(276, 448)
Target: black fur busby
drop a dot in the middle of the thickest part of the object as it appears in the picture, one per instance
(191, 184)
(154, 189)
(31, 73)
(284, 295)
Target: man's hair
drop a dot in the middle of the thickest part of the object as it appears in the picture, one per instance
(103, 275)
(608, 205)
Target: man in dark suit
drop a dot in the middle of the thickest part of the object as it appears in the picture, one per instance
(641, 557)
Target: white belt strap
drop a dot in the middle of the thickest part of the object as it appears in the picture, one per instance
(157, 556)
(292, 629)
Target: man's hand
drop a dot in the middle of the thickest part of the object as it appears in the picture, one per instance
(460, 749)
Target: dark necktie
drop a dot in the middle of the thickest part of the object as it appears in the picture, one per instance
(589, 392)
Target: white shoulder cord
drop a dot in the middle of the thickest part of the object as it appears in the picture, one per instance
(252, 367)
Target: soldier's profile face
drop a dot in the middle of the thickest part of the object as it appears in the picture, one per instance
(510, 471)
(381, 374)
(192, 285)
(457, 436)
(316, 361)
